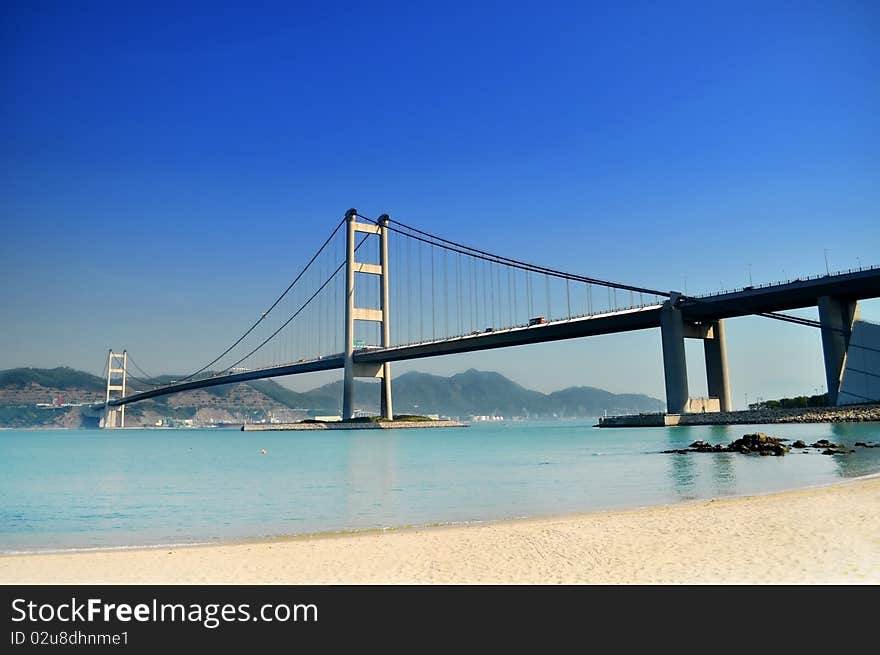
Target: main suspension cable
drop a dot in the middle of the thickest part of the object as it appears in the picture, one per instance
(297, 312)
(266, 313)
(427, 237)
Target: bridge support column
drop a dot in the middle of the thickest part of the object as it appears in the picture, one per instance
(836, 317)
(352, 313)
(386, 409)
(112, 418)
(385, 406)
(674, 363)
(715, 350)
(348, 375)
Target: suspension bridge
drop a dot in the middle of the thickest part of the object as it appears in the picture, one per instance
(379, 291)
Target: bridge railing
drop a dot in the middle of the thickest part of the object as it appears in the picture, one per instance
(507, 328)
(767, 285)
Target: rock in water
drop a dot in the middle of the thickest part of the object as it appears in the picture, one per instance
(824, 443)
(759, 443)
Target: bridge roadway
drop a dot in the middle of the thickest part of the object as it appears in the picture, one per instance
(797, 294)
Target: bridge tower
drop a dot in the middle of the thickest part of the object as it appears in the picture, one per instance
(352, 314)
(114, 417)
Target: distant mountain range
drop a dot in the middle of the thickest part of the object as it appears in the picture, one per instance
(472, 393)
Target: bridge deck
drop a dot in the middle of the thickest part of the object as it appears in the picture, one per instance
(797, 294)
(324, 364)
(854, 285)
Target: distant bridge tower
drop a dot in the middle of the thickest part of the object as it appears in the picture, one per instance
(114, 417)
(352, 314)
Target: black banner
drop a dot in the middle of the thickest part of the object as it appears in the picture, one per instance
(172, 618)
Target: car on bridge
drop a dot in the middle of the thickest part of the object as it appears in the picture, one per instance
(537, 320)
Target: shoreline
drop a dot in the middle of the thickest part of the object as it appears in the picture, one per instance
(765, 537)
(412, 527)
(868, 413)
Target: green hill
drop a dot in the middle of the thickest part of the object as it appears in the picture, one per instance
(464, 394)
(62, 377)
(480, 393)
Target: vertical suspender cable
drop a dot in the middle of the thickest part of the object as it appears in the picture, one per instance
(421, 296)
(458, 293)
(500, 319)
(509, 297)
(445, 294)
(486, 309)
(474, 303)
(568, 296)
(398, 282)
(433, 303)
(547, 286)
(529, 293)
(322, 308)
(408, 293)
(515, 300)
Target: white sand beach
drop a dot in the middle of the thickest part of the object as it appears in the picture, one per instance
(819, 535)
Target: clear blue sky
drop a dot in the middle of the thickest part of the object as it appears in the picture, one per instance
(166, 170)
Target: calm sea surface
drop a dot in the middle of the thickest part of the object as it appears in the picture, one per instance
(97, 489)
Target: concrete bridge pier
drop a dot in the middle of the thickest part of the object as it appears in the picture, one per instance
(717, 377)
(386, 409)
(674, 362)
(674, 330)
(836, 317)
(112, 417)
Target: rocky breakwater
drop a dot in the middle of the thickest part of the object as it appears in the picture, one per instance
(843, 414)
(761, 444)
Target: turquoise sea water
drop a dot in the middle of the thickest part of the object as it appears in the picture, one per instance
(77, 489)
